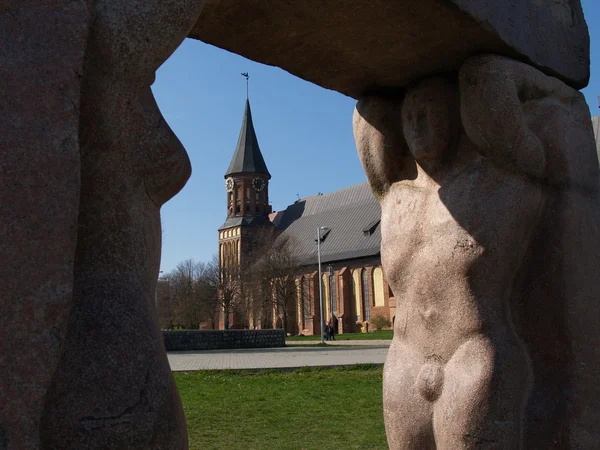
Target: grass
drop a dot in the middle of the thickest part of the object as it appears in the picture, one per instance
(386, 334)
(309, 408)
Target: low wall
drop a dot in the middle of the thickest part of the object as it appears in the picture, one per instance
(222, 339)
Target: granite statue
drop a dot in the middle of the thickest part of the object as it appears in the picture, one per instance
(468, 168)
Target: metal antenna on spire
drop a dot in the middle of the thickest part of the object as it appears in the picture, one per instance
(245, 74)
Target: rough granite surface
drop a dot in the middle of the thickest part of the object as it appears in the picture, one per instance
(88, 160)
(488, 184)
(360, 46)
(113, 386)
(41, 65)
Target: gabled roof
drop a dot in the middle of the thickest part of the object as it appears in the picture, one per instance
(352, 214)
(247, 157)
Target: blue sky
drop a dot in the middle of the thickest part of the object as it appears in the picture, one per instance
(304, 131)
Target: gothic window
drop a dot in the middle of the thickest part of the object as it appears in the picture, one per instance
(366, 304)
(332, 292)
(378, 286)
(325, 284)
(356, 292)
(305, 301)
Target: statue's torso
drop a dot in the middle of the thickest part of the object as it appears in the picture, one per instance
(451, 246)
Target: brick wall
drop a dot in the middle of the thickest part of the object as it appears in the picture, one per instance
(222, 339)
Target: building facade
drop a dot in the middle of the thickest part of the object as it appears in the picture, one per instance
(354, 288)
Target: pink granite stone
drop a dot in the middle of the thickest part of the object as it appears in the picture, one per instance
(41, 63)
(489, 186)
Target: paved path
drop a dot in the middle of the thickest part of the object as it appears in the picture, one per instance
(283, 357)
(365, 342)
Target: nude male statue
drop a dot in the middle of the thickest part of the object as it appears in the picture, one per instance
(458, 166)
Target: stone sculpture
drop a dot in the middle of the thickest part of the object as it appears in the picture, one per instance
(356, 47)
(469, 170)
(103, 380)
(88, 161)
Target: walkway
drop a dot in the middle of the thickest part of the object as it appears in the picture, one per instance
(338, 353)
(363, 342)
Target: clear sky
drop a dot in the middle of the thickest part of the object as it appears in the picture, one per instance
(304, 132)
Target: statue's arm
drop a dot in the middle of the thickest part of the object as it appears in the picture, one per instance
(380, 142)
(493, 91)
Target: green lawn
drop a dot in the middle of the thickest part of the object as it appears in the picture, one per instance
(311, 408)
(387, 334)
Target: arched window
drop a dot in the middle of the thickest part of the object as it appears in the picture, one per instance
(356, 292)
(378, 286)
(332, 292)
(366, 303)
(305, 301)
(324, 281)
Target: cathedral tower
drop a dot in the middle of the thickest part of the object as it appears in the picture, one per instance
(247, 197)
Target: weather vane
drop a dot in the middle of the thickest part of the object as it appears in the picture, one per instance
(245, 74)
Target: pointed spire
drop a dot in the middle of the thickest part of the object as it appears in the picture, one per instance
(247, 157)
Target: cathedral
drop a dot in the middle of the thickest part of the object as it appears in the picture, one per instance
(347, 222)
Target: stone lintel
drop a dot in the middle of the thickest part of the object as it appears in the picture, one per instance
(362, 46)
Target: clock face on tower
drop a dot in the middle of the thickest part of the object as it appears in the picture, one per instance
(258, 184)
(229, 184)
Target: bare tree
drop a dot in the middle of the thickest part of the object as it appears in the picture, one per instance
(193, 292)
(182, 282)
(229, 291)
(208, 287)
(164, 304)
(275, 271)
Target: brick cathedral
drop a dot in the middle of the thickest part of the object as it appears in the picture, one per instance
(354, 287)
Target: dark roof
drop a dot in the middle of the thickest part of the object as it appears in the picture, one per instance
(352, 214)
(253, 221)
(247, 157)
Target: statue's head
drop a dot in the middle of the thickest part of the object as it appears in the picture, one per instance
(430, 118)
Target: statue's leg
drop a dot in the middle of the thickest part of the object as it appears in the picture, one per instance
(407, 414)
(486, 384)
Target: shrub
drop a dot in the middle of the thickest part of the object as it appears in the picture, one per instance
(380, 322)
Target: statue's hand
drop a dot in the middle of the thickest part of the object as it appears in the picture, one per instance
(380, 141)
(493, 91)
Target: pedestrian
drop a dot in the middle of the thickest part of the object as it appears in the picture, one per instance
(327, 331)
(331, 332)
